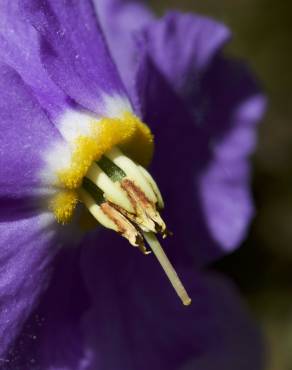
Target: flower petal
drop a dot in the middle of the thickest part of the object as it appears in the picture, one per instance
(73, 50)
(225, 182)
(208, 104)
(19, 48)
(52, 338)
(26, 133)
(192, 126)
(133, 314)
(120, 21)
(27, 248)
(137, 322)
(182, 60)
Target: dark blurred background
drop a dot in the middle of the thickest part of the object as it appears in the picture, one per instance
(262, 267)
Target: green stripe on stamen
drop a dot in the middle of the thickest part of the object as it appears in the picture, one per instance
(113, 171)
(93, 190)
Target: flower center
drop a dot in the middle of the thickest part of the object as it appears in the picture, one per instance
(122, 196)
(118, 192)
(88, 145)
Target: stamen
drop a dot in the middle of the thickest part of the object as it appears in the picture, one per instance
(111, 218)
(112, 190)
(167, 267)
(154, 186)
(147, 216)
(96, 211)
(124, 197)
(113, 171)
(132, 171)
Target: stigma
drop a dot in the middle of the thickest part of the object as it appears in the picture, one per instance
(105, 172)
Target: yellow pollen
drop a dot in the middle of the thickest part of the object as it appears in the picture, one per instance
(128, 132)
(63, 205)
(140, 145)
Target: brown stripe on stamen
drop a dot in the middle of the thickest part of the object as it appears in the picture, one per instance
(124, 226)
(147, 216)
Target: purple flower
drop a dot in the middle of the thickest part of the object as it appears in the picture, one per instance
(75, 299)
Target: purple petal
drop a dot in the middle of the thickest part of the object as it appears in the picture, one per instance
(180, 58)
(204, 133)
(130, 27)
(73, 50)
(225, 184)
(209, 105)
(137, 322)
(133, 314)
(19, 48)
(52, 338)
(120, 21)
(25, 133)
(27, 248)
